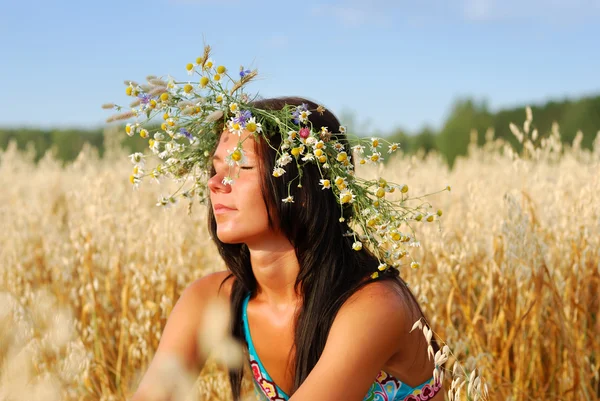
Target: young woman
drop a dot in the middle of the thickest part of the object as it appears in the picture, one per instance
(302, 300)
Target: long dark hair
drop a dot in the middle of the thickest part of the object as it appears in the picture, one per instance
(326, 278)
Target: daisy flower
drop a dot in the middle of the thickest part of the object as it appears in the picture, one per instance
(359, 148)
(289, 199)
(346, 196)
(284, 160)
(375, 157)
(252, 126)
(308, 157)
(236, 157)
(208, 64)
(340, 182)
(393, 147)
(301, 114)
(137, 159)
(235, 127)
(278, 172)
(227, 181)
(325, 183)
(357, 246)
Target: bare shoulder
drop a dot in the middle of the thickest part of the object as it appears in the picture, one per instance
(384, 296)
(378, 304)
(211, 285)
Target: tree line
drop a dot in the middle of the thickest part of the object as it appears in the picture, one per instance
(451, 140)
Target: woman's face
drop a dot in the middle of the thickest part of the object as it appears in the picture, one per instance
(244, 218)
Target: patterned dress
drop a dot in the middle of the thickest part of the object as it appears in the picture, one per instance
(384, 388)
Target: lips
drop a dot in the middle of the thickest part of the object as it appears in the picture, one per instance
(220, 206)
(220, 209)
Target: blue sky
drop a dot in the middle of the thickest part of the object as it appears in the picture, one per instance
(394, 63)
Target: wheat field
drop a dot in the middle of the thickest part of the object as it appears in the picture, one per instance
(90, 269)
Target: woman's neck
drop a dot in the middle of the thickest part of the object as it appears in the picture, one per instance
(275, 267)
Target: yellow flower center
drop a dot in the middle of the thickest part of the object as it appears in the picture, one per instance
(163, 126)
(362, 161)
(221, 69)
(295, 151)
(151, 142)
(164, 97)
(131, 179)
(251, 127)
(323, 159)
(219, 98)
(236, 156)
(153, 103)
(189, 66)
(326, 183)
(217, 77)
(396, 236)
(203, 81)
(346, 198)
(128, 129)
(318, 152)
(375, 143)
(143, 133)
(236, 126)
(374, 157)
(166, 116)
(187, 88)
(380, 193)
(342, 156)
(404, 189)
(128, 90)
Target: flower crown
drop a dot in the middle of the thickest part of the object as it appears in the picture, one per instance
(193, 114)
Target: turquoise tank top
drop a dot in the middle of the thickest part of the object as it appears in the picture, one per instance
(385, 388)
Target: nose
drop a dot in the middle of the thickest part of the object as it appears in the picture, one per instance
(215, 184)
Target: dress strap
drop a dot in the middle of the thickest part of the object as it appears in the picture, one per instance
(261, 376)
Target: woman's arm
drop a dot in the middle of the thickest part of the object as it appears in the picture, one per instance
(367, 331)
(178, 355)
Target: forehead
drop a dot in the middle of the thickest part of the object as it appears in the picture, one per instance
(229, 141)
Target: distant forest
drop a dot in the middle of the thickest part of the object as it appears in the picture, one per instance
(451, 140)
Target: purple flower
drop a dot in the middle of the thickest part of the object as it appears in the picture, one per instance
(145, 98)
(243, 118)
(186, 133)
(244, 72)
(297, 111)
